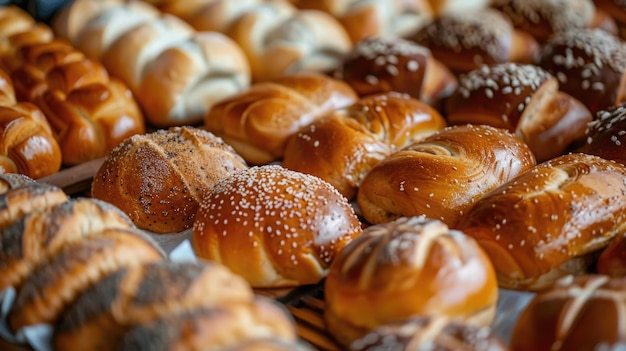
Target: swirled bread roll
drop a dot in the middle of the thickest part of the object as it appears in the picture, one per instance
(606, 134)
(464, 41)
(159, 178)
(590, 65)
(548, 221)
(20, 200)
(344, 145)
(612, 259)
(412, 266)
(442, 176)
(273, 226)
(576, 313)
(258, 122)
(524, 99)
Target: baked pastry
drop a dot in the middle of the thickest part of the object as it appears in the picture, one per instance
(464, 41)
(612, 259)
(20, 200)
(605, 134)
(384, 64)
(279, 39)
(542, 19)
(143, 294)
(405, 268)
(41, 233)
(590, 65)
(442, 176)
(524, 99)
(9, 181)
(576, 313)
(380, 18)
(344, 145)
(17, 29)
(49, 289)
(273, 226)
(176, 73)
(258, 122)
(159, 178)
(549, 221)
(429, 333)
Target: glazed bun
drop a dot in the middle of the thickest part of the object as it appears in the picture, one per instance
(412, 266)
(590, 65)
(344, 145)
(442, 176)
(384, 64)
(273, 226)
(576, 313)
(606, 134)
(524, 99)
(159, 178)
(549, 221)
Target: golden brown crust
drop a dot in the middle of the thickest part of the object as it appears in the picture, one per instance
(404, 268)
(159, 178)
(259, 121)
(612, 259)
(273, 226)
(443, 175)
(577, 313)
(345, 144)
(546, 222)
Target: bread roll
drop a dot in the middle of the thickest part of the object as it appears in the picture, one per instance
(464, 41)
(577, 313)
(612, 260)
(142, 295)
(54, 284)
(271, 344)
(344, 145)
(412, 266)
(383, 64)
(590, 65)
(546, 222)
(526, 100)
(380, 18)
(217, 328)
(159, 178)
(18, 201)
(542, 19)
(442, 176)
(274, 227)
(9, 181)
(424, 333)
(17, 29)
(176, 73)
(279, 39)
(259, 121)
(605, 134)
(39, 234)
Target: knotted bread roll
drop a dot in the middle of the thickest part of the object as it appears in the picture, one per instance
(442, 176)
(413, 266)
(549, 221)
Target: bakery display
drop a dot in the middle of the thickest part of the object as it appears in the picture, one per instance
(443, 175)
(413, 266)
(576, 313)
(524, 99)
(344, 145)
(273, 226)
(159, 178)
(549, 221)
(258, 121)
(605, 134)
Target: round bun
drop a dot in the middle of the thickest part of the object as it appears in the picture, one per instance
(429, 333)
(273, 226)
(159, 178)
(442, 176)
(412, 266)
(549, 221)
(577, 313)
(606, 134)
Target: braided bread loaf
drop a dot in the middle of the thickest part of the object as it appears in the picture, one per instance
(176, 73)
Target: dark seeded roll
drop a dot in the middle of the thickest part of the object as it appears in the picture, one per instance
(17, 202)
(56, 283)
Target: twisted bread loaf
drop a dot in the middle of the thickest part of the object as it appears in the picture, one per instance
(408, 267)
(159, 178)
(343, 146)
(443, 175)
(547, 222)
(176, 73)
(526, 100)
(274, 227)
(259, 121)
